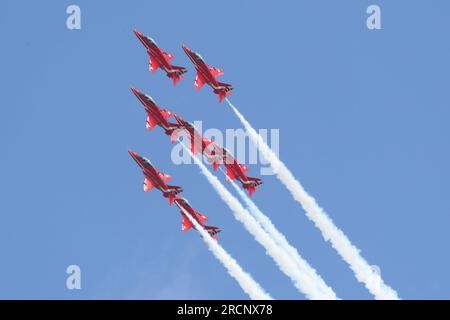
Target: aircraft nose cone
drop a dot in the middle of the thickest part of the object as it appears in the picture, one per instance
(185, 48)
(136, 92)
(132, 153)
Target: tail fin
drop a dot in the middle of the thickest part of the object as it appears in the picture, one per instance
(171, 195)
(171, 198)
(212, 231)
(251, 190)
(223, 94)
(224, 91)
(175, 79)
(251, 187)
(176, 74)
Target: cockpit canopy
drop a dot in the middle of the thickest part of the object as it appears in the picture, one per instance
(151, 40)
(199, 57)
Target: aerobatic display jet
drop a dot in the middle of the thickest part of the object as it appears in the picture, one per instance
(155, 115)
(154, 178)
(186, 224)
(235, 170)
(207, 74)
(160, 59)
(198, 143)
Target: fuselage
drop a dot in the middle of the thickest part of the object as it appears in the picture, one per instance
(155, 51)
(203, 69)
(185, 206)
(150, 172)
(236, 169)
(154, 110)
(195, 136)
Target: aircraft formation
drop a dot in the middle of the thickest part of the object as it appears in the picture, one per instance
(156, 116)
(256, 223)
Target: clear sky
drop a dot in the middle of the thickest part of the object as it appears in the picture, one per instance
(363, 118)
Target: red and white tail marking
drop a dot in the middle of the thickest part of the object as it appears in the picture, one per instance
(175, 79)
(251, 190)
(222, 95)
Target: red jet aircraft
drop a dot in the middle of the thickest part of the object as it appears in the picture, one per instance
(186, 224)
(154, 178)
(155, 115)
(198, 143)
(160, 59)
(207, 74)
(235, 170)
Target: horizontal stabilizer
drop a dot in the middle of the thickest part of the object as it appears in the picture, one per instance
(212, 231)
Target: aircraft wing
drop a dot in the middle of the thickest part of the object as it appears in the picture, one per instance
(151, 122)
(186, 224)
(199, 81)
(168, 56)
(164, 176)
(148, 185)
(153, 64)
(216, 71)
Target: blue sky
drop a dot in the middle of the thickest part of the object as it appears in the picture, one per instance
(363, 118)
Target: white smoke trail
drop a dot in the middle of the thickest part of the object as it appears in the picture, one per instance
(281, 240)
(301, 281)
(363, 271)
(245, 280)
